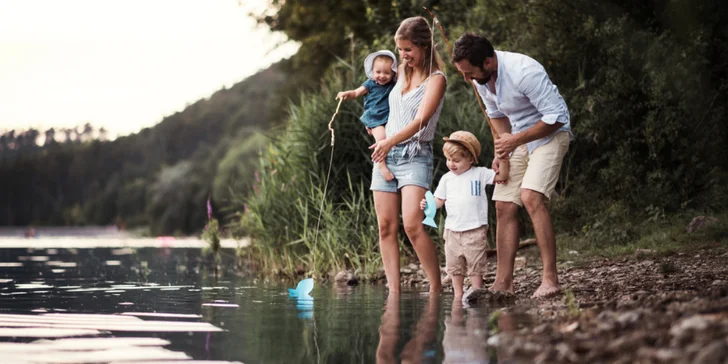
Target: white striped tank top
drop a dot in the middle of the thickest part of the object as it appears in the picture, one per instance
(403, 109)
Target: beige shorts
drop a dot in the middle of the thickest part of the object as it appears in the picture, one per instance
(465, 251)
(538, 172)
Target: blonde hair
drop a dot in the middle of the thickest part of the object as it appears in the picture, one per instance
(382, 57)
(451, 149)
(417, 30)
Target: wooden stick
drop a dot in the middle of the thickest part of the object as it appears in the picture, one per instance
(502, 176)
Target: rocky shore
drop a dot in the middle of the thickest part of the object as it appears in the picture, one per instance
(646, 308)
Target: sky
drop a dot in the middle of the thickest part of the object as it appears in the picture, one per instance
(124, 64)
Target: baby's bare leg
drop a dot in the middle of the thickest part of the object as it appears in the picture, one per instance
(379, 133)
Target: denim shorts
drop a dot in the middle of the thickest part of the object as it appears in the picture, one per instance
(417, 172)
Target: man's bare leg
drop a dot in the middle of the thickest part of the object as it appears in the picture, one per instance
(380, 133)
(535, 203)
(506, 243)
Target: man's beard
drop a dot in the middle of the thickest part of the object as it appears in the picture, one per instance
(484, 80)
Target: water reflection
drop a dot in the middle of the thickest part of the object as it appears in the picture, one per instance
(465, 336)
(422, 346)
(389, 331)
(260, 322)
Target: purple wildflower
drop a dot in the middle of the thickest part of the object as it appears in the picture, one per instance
(209, 210)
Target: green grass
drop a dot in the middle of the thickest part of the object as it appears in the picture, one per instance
(663, 237)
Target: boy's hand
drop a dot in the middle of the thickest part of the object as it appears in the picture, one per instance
(423, 204)
(496, 165)
(342, 95)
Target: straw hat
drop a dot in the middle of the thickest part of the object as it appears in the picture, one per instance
(369, 61)
(466, 139)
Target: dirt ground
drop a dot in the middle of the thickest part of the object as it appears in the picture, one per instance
(646, 308)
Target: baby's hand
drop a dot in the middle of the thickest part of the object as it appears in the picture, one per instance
(342, 95)
(423, 204)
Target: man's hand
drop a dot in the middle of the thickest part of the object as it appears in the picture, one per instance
(505, 145)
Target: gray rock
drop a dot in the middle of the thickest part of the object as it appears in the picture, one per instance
(700, 222)
(692, 323)
(712, 353)
(476, 296)
(347, 277)
(628, 318)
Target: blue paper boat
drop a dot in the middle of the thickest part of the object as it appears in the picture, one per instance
(303, 288)
(430, 210)
(305, 307)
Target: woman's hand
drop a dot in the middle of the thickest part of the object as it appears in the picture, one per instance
(380, 150)
(423, 204)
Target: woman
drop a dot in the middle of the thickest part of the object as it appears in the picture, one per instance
(414, 108)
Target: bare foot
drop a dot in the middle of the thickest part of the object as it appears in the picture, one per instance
(384, 171)
(547, 289)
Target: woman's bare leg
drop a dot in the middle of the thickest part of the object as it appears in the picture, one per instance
(387, 207)
(412, 217)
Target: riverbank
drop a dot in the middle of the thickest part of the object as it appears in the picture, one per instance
(644, 308)
(668, 303)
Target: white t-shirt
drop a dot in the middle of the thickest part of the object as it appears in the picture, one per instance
(465, 199)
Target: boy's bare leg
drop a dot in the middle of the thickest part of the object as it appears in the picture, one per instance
(457, 285)
(477, 281)
(379, 133)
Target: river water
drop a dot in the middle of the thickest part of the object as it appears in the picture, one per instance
(158, 303)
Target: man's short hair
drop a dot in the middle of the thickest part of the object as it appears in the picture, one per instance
(474, 48)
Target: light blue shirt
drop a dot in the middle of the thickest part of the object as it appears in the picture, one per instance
(525, 95)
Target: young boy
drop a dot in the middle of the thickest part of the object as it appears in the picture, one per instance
(462, 191)
(380, 68)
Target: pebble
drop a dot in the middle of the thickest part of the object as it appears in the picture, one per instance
(712, 353)
(692, 323)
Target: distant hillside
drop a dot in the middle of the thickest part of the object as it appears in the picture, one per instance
(158, 177)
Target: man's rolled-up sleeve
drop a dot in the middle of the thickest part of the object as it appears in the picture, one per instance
(544, 95)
